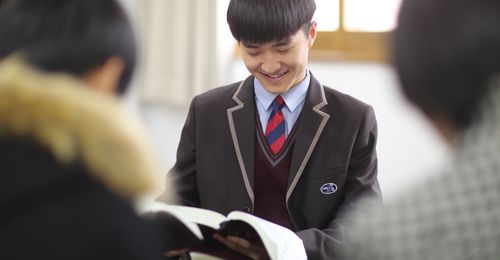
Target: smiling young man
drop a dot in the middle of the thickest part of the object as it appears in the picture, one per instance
(279, 144)
(280, 64)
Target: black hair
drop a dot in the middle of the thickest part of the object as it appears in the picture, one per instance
(71, 36)
(262, 21)
(446, 52)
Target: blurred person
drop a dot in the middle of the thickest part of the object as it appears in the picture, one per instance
(278, 144)
(72, 161)
(82, 38)
(447, 56)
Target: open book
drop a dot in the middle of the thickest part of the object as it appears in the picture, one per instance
(194, 227)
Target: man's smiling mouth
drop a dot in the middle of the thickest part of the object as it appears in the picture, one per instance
(275, 76)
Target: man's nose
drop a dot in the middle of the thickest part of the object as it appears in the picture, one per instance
(270, 65)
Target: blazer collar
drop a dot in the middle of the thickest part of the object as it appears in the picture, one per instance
(244, 93)
(241, 119)
(311, 123)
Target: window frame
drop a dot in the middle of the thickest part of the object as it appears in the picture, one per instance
(350, 46)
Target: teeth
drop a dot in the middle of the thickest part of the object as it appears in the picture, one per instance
(276, 76)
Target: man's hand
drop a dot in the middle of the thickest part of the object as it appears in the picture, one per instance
(177, 252)
(243, 246)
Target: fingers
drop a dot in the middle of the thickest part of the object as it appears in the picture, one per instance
(239, 245)
(225, 241)
(176, 252)
(239, 241)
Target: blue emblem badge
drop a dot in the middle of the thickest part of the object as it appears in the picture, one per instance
(328, 188)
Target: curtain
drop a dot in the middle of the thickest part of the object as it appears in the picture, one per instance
(179, 49)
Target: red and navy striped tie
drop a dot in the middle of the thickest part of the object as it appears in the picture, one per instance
(275, 129)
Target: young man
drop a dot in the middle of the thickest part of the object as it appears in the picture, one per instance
(71, 162)
(448, 65)
(278, 144)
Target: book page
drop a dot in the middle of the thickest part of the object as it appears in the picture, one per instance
(280, 242)
(201, 216)
(179, 212)
(194, 215)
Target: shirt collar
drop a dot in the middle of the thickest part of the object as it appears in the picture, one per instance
(293, 97)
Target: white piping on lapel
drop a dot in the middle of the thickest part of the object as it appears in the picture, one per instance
(235, 141)
(325, 116)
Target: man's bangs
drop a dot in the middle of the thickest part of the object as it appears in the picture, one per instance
(264, 31)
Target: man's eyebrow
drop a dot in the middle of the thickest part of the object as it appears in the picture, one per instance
(249, 45)
(281, 43)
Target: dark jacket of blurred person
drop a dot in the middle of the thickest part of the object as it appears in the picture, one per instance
(71, 163)
(449, 67)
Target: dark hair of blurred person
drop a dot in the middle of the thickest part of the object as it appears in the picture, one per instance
(447, 61)
(74, 37)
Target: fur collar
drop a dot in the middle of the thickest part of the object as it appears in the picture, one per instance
(74, 122)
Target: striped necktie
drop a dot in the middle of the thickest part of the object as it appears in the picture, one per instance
(275, 129)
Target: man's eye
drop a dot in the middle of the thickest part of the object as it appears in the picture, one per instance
(252, 53)
(284, 50)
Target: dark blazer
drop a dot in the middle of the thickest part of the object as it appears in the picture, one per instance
(335, 143)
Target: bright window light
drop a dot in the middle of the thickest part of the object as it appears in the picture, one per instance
(370, 15)
(327, 15)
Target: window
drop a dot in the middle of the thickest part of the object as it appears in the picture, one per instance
(354, 29)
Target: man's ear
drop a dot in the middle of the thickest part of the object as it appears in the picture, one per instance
(312, 33)
(105, 77)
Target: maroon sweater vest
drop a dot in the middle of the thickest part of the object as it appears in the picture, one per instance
(271, 180)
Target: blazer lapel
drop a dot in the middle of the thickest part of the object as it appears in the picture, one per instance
(241, 120)
(311, 125)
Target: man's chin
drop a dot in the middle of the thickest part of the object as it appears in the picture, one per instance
(276, 89)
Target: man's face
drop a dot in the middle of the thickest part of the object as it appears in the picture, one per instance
(279, 65)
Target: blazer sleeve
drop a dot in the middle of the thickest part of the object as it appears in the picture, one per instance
(361, 184)
(182, 177)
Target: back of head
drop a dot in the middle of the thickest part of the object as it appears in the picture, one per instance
(70, 36)
(261, 21)
(446, 52)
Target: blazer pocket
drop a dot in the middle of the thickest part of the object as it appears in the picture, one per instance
(320, 198)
